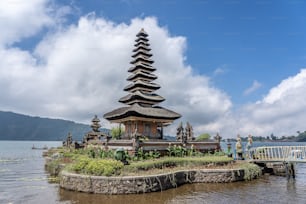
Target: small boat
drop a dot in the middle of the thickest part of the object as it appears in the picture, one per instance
(43, 148)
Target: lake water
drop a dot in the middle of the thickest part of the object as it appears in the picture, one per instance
(24, 180)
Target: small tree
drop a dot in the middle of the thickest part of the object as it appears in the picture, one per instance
(273, 137)
(203, 137)
(116, 132)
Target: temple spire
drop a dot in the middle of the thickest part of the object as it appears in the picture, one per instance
(142, 88)
(95, 124)
(141, 115)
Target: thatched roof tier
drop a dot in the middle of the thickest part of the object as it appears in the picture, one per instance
(95, 119)
(141, 33)
(140, 74)
(142, 85)
(139, 97)
(142, 43)
(95, 124)
(141, 47)
(142, 52)
(142, 38)
(143, 59)
(137, 112)
(142, 66)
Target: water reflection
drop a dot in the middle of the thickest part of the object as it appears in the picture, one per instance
(157, 197)
(268, 189)
(291, 186)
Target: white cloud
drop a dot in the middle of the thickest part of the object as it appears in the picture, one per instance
(220, 70)
(19, 19)
(256, 85)
(282, 111)
(81, 70)
(288, 87)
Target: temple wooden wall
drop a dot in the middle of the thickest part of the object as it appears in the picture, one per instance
(147, 129)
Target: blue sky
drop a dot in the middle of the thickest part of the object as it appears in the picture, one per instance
(249, 41)
(227, 66)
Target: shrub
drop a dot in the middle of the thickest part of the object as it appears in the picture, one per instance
(80, 164)
(176, 151)
(91, 151)
(106, 154)
(106, 167)
(191, 152)
(250, 171)
(141, 155)
(94, 167)
(203, 137)
(97, 167)
(219, 153)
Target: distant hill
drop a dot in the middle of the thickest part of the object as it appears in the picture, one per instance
(15, 126)
(169, 138)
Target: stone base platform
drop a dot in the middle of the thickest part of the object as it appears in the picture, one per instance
(146, 184)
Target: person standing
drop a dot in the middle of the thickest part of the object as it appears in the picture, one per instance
(249, 145)
(239, 148)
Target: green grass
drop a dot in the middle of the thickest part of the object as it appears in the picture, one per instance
(170, 162)
(83, 161)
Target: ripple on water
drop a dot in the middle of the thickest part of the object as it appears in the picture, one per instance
(12, 160)
(30, 179)
(4, 170)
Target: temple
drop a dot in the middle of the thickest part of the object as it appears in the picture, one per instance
(141, 114)
(94, 135)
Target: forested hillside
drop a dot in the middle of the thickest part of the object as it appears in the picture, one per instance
(21, 127)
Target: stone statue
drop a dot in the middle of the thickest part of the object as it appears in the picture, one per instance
(189, 132)
(249, 146)
(239, 147)
(68, 141)
(134, 135)
(229, 149)
(218, 137)
(180, 132)
(135, 141)
(250, 142)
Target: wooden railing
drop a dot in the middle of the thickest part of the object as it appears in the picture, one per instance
(277, 153)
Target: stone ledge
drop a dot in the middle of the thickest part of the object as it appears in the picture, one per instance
(146, 184)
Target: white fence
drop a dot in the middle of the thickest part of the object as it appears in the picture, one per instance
(277, 153)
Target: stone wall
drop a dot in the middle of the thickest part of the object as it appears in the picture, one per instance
(145, 184)
(274, 168)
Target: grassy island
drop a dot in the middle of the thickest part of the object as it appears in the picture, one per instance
(96, 170)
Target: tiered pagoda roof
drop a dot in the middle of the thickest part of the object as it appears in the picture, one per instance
(141, 98)
(95, 124)
(137, 112)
